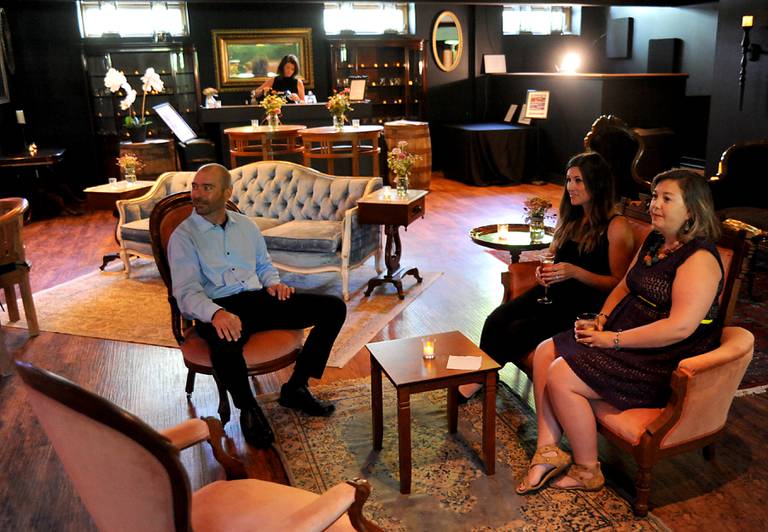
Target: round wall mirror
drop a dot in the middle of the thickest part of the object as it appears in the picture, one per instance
(447, 41)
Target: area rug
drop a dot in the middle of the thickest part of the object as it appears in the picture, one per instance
(110, 306)
(750, 314)
(450, 490)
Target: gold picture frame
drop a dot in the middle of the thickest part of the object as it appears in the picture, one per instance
(244, 58)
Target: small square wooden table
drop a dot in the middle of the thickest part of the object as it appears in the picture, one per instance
(402, 362)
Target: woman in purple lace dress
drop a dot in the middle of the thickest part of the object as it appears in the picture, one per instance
(663, 310)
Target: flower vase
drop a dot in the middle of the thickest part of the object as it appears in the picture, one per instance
(338, 122)
(272, 120)
(210, 102)
(401, 184)
(536, 229)
(130, 174)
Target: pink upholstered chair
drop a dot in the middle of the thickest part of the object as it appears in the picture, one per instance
(703, 386)
(129, 476)
(265, 351)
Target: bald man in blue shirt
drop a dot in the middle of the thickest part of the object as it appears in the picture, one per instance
(223, 278)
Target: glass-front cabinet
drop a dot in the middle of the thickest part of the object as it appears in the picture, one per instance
(394, 67)
(176, 64)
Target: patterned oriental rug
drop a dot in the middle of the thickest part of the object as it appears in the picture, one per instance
(110, 306)
(450, 490)
(752, 315)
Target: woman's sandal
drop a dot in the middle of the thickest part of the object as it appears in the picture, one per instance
(589, 478)
(559, 462)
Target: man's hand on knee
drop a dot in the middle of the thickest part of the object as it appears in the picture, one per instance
(227, 325)
(281, 291)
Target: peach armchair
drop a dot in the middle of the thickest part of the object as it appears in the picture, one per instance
(265, 351)
(129, 476)
(703, 386)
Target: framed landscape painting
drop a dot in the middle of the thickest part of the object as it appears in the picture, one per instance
(246, 58)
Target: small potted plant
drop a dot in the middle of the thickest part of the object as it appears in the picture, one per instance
(339, 105)
(536, 208)
(150, 82)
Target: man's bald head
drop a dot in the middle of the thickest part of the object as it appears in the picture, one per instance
(217, 170)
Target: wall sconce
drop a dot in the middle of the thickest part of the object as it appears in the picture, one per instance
(749, 50)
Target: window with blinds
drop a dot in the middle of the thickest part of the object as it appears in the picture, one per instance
(127, 18)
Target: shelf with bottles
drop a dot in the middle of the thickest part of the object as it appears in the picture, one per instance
(395, 69)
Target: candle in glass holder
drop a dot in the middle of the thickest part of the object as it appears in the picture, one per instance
(502, 231)
(428, 348)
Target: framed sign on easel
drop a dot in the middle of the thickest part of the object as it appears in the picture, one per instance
(537, 109)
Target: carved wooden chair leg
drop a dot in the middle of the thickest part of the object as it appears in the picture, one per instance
(190, 387)
(643, 488)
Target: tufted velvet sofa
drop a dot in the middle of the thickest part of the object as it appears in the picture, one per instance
(308, 218)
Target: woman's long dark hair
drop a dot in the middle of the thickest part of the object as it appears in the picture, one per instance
(599, 183)
(290, 58)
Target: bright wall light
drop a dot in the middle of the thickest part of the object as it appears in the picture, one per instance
(570, 63)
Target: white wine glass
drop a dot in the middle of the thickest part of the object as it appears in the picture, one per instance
(546, 257)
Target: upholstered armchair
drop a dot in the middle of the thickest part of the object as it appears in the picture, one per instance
(635, 155)
(703, 386)
(739, 190)
(130, 477)
(133, 222)
(265, 351)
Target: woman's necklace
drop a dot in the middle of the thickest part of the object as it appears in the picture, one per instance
(657, 252)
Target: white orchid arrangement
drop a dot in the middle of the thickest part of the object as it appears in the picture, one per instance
(150, 81)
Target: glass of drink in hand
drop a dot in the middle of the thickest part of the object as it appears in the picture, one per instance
(547, 258)
(586, 321)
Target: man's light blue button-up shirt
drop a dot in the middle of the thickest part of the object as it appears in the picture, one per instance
(208, 262)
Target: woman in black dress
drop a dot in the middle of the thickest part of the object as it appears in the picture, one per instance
(664, 310)
(593, 247)
(285, 81)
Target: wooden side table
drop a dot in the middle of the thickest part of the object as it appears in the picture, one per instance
(402, 363)
(392, 213)
(329, 144)
(516, 241)
(105, 196)
(263, 142)
(156, 156)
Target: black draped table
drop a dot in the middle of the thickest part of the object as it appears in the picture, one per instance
(484, 154)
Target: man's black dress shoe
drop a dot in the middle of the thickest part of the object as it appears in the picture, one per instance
(302, 399)
(255, 427)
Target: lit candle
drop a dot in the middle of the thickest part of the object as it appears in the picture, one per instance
(20, 117)
(428, 348)
(747, 21)
(503, 231)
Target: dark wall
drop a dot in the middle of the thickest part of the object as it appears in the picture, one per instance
(49, 85)
(207, 16)
(695, 25)
(729, 124)
(450, 95)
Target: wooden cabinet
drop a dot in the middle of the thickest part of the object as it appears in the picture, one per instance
(156, 156)
(175, 62)
(395, 69)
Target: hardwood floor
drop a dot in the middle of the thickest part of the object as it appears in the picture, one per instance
(688, 492)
